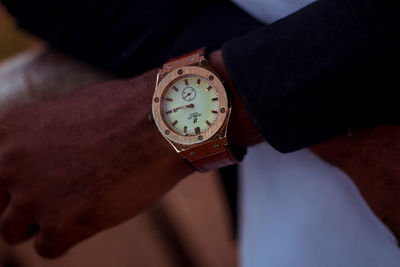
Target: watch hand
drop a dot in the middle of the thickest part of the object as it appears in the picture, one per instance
(187, 95)
(182, 107)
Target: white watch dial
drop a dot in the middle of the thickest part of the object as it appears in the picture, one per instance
(190, 105)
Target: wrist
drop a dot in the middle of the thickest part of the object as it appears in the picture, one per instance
(158, 154)
(183, 130)
(165, 154)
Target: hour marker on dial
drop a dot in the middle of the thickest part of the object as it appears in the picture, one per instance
(190, 106)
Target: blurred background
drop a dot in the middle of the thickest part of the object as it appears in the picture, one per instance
(191, 226)
(12, 40)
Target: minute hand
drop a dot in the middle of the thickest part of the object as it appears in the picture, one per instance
(182, 107)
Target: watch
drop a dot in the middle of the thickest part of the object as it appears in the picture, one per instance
(191, 109)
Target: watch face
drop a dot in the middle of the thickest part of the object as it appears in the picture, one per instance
(190, 105)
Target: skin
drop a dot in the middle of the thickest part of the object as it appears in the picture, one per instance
(81, 163)
(89, 160)
(370, 158)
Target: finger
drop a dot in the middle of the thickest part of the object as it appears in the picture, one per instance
(49, 244)
(14, 227)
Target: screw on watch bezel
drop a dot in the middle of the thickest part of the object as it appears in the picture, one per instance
(223, 113)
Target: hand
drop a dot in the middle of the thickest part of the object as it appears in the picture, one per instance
(73, 166)
(371, 158)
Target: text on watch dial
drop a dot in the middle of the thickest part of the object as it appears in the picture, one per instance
(190, 105)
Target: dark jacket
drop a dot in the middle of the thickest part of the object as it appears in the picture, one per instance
(327, 69)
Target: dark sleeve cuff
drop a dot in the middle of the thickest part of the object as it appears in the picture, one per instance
(129, 37)
(319, 72)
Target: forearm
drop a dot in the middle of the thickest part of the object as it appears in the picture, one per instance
(85, 161)
(99, 156)
(133, 97)
(211, 26)
(283, 72)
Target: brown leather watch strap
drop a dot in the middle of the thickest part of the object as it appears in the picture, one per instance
(212, 154)
(184, 60)
(213, 162)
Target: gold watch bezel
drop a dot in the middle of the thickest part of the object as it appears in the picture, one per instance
(223, 112)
